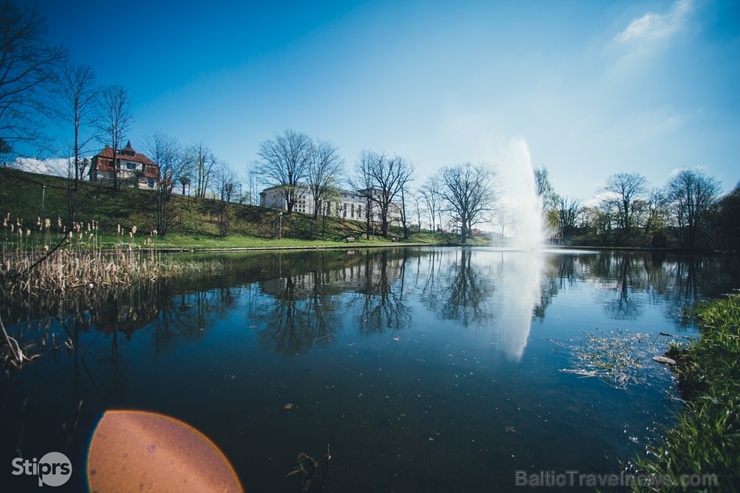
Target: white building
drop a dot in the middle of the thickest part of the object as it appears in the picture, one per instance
(348, 205)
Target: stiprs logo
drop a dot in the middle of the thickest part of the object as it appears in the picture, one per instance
(53, 469)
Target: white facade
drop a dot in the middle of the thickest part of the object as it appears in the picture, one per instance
(348, 206)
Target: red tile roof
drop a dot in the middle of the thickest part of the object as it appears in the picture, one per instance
(104, 160)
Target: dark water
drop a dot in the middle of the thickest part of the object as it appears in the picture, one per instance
(424, 370)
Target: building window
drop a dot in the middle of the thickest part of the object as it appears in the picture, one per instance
(130, 165)
(150, 183)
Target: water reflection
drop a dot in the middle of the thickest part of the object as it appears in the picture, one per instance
(301, 312)
(497, 292)
(379, 298)
(384, 348)
(467, 293)
(520, 301)
(298, 301)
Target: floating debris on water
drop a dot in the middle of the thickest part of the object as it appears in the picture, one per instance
(313, 475)
(664, 360)
(619, 358)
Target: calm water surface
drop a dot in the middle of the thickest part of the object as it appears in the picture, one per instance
(424, 370)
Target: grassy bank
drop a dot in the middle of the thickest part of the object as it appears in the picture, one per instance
(706, 439)
(193, 224)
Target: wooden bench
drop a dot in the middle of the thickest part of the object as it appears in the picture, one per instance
(350, 239)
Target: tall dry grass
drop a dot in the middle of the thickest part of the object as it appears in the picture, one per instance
(42, 260)
(47, 258)
(57, 269)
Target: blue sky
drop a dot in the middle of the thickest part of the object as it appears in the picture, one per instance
(594, 87)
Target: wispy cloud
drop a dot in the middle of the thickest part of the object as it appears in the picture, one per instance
(57, 167)
(653, 26)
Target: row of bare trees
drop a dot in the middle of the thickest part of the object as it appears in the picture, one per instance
(40, 83)
(293, 161)
(297, 165)
(382, 181)
(196, 169)
(686, 212)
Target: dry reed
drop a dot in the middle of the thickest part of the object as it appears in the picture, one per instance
(46, 259)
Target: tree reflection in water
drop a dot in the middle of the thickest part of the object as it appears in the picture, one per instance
(379, 299)
(297, 299)
(496, 291)
(301, 313)
(141, 346)
(467, 291)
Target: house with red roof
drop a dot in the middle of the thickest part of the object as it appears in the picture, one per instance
(134, 168)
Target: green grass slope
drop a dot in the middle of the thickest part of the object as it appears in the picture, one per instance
(195, 223)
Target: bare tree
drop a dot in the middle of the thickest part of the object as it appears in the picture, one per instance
(569, 210)
(655, 211)
(363, 185)
(470, 192)
(384, 179)
(691, 194)
(550, 199)
(167, 152)
(28, 67)
(418, 208)
(202, 164)
(283, 163)
(431, 192)
(114, 121)
(323, 173)
(544, 188)
(251, 195)
(602, 219)
(404, 217)
(505, 217)
(77, 103)
(226, 182)
(626, 189)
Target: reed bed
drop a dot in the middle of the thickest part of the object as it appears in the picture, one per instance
(45, 264)
(44, 258)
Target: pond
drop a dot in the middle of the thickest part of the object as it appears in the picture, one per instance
(422, 369)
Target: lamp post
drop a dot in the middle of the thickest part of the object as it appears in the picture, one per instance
(43, 199)
(280, 225)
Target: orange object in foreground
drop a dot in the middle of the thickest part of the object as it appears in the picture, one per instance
(143, 451)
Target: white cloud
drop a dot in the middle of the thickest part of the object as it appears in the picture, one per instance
(56, 167)
(675, 171)
(652, 26)
(600, 196)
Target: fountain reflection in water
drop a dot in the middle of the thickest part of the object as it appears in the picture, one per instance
(524, 269)
(519, 297)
